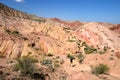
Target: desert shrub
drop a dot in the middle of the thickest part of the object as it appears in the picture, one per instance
(84, 44)
(80, 57)
(52, 64)
(39, 20)
(70, 56)
(100, 69)
(101, 52)
(25, 65)
(71, 40)
(48, 63)
(89, 50)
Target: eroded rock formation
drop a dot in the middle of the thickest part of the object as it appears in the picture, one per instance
(21, 34)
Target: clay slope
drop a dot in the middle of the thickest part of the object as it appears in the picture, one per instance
(100, 35)
(10, 12)
(20, 35)
(30, 32)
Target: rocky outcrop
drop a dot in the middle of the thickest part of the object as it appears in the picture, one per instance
(49, 36)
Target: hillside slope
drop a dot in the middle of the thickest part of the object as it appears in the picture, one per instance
(22, 34)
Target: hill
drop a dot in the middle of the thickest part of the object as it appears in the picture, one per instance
(22, 34)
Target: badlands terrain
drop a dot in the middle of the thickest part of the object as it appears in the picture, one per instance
(62, 50)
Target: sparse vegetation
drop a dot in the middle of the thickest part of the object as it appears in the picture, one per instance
(25, 65)
(52, 64)
(70, 56)
(100, 69)
(101, 52)
(89, 50)
(48, 63)
(39, 20)
(80, 57)
(67, 29)
(84, 44)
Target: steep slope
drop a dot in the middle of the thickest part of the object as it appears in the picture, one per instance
(50, 34)
(9, 12)
(39, 32)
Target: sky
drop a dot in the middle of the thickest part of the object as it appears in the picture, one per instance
(82, 10)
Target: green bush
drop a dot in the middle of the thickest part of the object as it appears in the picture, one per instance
(25, 65)
(52, 64)
(39, 20)
(100, 69)
(84, 44)
(101, 52)
(70, 56)
(89, 50)
(80, 57)
(48, 63)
